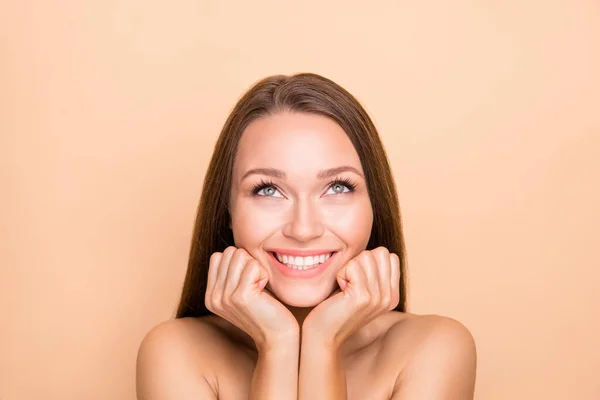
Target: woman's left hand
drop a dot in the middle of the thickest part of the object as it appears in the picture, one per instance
(369, 288)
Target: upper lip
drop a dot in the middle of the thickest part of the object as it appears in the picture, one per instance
(300, 252)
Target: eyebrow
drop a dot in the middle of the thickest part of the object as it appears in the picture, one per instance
(323, 174)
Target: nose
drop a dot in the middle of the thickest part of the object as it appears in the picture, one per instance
(304, 223)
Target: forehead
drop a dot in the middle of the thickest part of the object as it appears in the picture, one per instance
(297, 143)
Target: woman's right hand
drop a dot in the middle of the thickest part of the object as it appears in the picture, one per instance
(235, 292)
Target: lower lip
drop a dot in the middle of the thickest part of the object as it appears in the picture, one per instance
(296, 273)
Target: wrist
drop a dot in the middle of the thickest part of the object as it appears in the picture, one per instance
(319, 343)
(281, 345)
(315, 336)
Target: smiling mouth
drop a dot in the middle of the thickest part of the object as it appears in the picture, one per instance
(302, 263)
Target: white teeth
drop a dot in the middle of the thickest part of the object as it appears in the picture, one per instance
(302, 263)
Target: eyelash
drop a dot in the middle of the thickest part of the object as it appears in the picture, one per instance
(337, 181)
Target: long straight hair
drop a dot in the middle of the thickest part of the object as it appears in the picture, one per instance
(303, 93)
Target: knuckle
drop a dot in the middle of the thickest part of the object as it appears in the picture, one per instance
(381, 254)
(386, 299)
(388, 305)
(394, 301)
(253, 265)
(376, 299)
(240, 252)
(381, 250)
(216, 303)
(208, 303)
(229, 250)
(241, 255)
(362, 299)
(351, 267)
(365, 254)
(238, 298)
(215, 257)
(226, 301)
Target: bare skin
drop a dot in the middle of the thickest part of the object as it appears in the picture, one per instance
(281, 332)
(363, 360)
(381, 361)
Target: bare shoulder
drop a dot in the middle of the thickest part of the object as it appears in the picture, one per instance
(178, 359)
(435, 356)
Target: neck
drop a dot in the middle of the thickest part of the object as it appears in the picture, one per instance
(300, 313)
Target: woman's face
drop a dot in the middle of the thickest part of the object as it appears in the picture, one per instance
(298, 195)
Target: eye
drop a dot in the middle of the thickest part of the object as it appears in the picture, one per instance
(337, 188)
(268, 191)
(340, 186)
(265, 189)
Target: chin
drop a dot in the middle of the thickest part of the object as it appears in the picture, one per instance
(297, 297)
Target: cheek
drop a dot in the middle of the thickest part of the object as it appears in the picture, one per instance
(251, 224)
(352, 223)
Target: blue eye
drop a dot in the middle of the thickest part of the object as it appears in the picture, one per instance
(339, 185)
(338, 188)
(265, 189)
(269, 191)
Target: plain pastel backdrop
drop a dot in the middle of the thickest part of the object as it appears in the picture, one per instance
(109, 110)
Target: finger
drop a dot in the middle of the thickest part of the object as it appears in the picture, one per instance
(369, 267)
(217, 298)
(213, 268)
(395, 279)
(253, 277)
(357, 280)
(360, 284)
(343, 276)
(382, 255)
(234, 272)
(228, 254)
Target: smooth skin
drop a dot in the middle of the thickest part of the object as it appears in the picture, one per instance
(334, 336)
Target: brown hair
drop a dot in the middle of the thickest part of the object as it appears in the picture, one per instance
(305, 93)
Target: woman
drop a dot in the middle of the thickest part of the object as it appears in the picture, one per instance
(295, 287)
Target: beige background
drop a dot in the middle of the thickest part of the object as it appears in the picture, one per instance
(490, 112)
